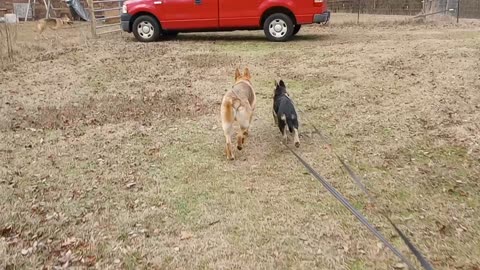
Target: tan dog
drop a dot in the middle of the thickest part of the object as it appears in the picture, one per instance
(54, 24)
(238, 105)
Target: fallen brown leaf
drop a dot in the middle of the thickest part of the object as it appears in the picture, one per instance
(89, 261)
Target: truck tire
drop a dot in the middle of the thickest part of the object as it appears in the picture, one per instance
(278, 27)
(146, 29)
(296, 29)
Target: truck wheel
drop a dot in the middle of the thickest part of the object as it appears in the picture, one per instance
(296, 29)
(278, 27)
(146, 29)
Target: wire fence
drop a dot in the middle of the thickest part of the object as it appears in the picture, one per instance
(470, 9)
(467, 8)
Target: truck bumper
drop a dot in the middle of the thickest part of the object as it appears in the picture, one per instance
(125, 22)
(321, 18)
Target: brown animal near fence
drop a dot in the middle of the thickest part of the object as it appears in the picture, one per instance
(58, 8)
(53, 24)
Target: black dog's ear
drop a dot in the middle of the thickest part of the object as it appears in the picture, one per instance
(281, 83)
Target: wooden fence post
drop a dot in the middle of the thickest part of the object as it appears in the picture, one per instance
(358, 17)
(93, 19)
(458, 11)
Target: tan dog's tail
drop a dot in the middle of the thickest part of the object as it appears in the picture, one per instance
(231, 106)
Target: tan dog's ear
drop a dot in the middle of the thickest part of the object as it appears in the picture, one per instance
(276, 83)
(237, 74)
(246, 74)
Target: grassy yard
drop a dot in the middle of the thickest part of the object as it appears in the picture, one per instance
(111, 151)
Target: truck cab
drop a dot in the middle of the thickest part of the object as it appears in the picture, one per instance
(149, 20)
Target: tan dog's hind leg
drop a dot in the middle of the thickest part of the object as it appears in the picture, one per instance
(249, 122)
(226, 112)
(242, 134)
(244, 117)
(246, 131)
(240, 140)
(295, 138)
(228, 131)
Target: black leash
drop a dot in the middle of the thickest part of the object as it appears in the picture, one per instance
(425, 264)
(352, 209)
(423, 261)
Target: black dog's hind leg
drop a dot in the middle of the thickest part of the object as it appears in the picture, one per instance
(295, 138)
(294, 125)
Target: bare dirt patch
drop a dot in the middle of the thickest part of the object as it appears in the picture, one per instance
(110, 110)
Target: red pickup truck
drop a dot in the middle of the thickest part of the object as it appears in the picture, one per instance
(149, 20)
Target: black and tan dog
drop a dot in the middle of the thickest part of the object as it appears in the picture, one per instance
(284, 113)
(238, 105)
